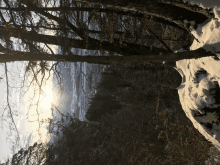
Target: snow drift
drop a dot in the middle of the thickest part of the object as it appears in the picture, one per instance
(199, 91)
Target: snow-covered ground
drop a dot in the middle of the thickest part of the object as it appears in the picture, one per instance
(199, 91)
(206, 4)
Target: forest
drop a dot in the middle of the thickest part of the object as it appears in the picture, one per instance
(135, 117)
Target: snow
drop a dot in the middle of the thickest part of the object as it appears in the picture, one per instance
(201, 77)
(206, 4)
(208, 35)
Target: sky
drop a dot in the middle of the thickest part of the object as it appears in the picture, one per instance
(4, 145)
(26, 117)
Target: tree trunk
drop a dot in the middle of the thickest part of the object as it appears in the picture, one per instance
(89, 9)
(176, 14)
(93, 44)
(170, 58)
(167, 12)
(194, 8)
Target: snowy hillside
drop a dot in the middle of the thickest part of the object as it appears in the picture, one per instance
(199, 91)
(206, 4)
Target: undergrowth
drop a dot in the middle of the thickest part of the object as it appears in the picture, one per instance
(141, 132)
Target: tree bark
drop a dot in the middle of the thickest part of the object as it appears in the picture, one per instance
(153, 9)
(167, 12)
(170, 58)
(119, 12)
(126, 49)
(190, 7)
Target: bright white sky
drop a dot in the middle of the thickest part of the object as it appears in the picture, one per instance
(22, 106)
(27, 123)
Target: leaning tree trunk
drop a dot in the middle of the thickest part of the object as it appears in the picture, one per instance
(93, 44)
(169, 58)
(171, 13)
(174, 12)
(194, 8)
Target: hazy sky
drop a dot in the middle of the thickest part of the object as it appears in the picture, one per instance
(21, 105)
(4, 145)
(25, 117)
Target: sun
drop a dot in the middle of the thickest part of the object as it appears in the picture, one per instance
(46, 97)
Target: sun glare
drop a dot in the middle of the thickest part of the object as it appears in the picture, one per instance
(46, 98)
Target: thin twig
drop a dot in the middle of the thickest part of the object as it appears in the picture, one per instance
(161, 41)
